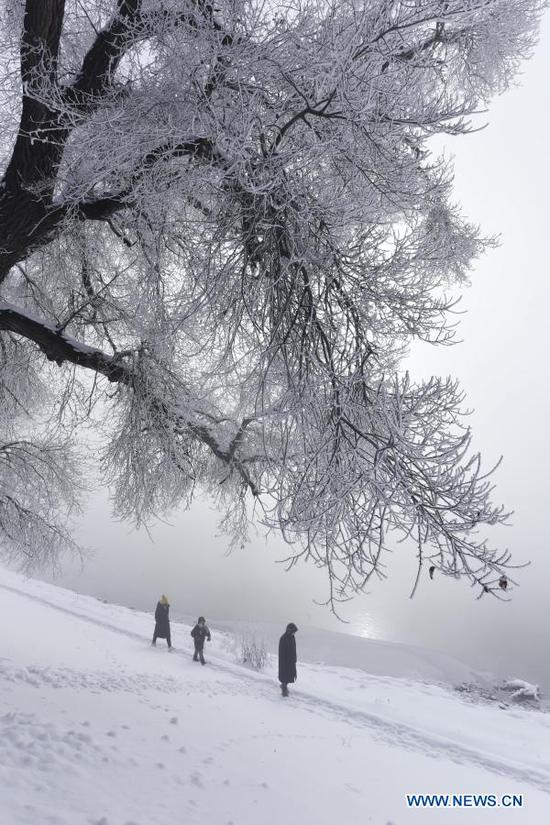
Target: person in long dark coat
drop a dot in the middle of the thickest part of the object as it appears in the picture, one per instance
(162, 622)
(199, 633)
(287, 657)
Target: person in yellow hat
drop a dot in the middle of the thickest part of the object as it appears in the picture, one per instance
(162, 622)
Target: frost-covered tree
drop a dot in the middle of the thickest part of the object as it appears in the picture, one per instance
(221, 225)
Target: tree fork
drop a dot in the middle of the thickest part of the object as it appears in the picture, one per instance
(27, 218)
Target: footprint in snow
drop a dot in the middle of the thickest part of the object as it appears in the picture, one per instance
(111, 733)
(165, 738)
(174, 720)
(183, 749)
(196, 779)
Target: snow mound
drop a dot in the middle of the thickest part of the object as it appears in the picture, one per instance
(522, 690)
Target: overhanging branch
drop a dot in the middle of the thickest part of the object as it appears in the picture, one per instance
(62, 348)
(59, 347)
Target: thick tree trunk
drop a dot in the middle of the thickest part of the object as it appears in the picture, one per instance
(27, 216)
(28, 183)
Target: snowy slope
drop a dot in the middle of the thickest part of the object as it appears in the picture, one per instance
(98, 728)
(371, 655)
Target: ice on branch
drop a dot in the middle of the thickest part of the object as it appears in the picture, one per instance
(220, 231)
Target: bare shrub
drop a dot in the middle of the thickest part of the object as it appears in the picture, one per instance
(253, 652)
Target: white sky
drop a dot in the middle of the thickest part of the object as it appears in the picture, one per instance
(502, 182)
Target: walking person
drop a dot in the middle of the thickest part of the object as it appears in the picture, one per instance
(162, 622)
(199, 633)
(287, 657)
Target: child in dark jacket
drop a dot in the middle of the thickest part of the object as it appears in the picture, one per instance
(199, 633)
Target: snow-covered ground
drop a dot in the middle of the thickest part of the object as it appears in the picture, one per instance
(98, 728)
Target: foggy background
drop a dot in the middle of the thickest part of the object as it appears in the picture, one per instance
(502, 182)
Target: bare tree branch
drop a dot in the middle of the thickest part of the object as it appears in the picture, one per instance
(59, 347)
(232, 212)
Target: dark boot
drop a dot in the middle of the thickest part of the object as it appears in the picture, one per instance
(284, 690)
